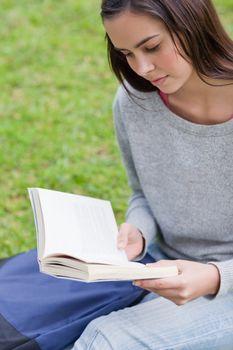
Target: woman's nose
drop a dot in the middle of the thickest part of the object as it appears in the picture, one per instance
(143, 67)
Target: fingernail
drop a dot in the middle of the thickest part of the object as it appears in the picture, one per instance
(137, 284)
(121, 244)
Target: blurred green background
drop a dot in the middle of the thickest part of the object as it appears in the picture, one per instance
(56, 128)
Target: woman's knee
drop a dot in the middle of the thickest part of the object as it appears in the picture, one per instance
(96, 336)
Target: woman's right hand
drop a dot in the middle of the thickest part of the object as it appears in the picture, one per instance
(131, 240)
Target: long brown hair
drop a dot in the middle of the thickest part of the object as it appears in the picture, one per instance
(194, 23)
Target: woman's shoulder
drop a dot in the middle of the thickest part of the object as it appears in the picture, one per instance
(128, 97)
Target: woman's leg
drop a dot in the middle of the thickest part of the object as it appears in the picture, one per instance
(158, 324)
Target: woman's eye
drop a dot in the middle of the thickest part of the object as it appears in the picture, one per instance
(129, 54)
(153, 49)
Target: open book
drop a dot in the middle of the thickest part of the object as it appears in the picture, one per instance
(77, 239)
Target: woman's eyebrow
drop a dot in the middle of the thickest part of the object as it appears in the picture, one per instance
(143, 41)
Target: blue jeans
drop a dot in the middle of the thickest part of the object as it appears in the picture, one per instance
(158, 324)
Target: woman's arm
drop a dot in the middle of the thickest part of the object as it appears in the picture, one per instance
(138, 214)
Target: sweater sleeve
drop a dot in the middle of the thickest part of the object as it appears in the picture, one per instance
(139, 213)
(225, 269)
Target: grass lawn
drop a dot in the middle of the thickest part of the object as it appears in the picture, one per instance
(56, 128)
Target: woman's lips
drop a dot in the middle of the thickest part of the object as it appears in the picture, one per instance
(159, 81)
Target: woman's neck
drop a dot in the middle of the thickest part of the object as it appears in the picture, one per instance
(202, 103)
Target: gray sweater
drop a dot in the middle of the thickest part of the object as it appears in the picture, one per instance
(181, 175)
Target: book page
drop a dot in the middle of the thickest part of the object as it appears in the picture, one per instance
(80, 226)
(38, 219)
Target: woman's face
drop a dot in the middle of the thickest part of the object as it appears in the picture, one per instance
(149, 50)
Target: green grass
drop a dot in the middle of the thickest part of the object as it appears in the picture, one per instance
(225, 9)
(56, 128)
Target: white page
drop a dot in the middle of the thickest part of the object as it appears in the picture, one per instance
(80, 226)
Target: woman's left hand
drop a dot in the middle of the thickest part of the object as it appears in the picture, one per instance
(194, 280)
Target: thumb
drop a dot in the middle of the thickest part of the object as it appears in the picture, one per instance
(122, 239)
(162, 263)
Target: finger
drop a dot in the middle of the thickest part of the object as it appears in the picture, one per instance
(166, 263)
(172, 294)
(162, 263)
(169, 294)
(122, 239)
(130, 252)
(122, 242)
(159, 284)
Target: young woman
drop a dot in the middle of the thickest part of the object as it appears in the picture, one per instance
(174, 122)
